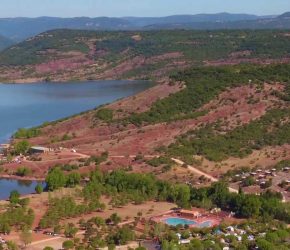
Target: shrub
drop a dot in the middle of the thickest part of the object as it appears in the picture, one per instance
(23, 171)
(39, 189)
(104, 114)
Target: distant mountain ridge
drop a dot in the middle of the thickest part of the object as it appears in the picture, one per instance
(18, 29)
(285, 15)
(222, 17)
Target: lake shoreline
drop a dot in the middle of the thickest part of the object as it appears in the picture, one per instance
(38, 179)
(42, 81)
(93, 101)
(20, 178)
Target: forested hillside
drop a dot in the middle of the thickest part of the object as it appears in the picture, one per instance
(218, 113)
(70, 54)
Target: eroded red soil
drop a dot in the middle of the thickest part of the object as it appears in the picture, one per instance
(232, 108)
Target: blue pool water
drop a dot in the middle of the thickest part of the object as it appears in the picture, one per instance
(181, 221)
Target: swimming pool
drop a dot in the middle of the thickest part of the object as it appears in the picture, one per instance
(174, 221)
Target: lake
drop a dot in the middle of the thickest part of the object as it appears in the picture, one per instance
(23, 187)
(28, 105)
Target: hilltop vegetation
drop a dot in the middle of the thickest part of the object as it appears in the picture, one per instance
(194, 45)
(32, 51)
(59, 54)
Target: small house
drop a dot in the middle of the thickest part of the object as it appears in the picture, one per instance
(38, 150)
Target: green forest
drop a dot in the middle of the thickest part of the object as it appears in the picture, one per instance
(196, 46)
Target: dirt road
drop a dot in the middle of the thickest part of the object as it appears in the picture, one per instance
(199, 172)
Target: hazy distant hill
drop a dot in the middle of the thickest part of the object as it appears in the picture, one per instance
(220, 17)
(4, 42)
(285, 15)
(270, 22)
(18, 29)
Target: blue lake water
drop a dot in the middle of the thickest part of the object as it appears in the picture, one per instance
(23, 187)
(28, 105)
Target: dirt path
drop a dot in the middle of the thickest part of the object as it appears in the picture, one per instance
(179, 162)
(133, 156)
(195, 170)
(45, 240)
(199, 172)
